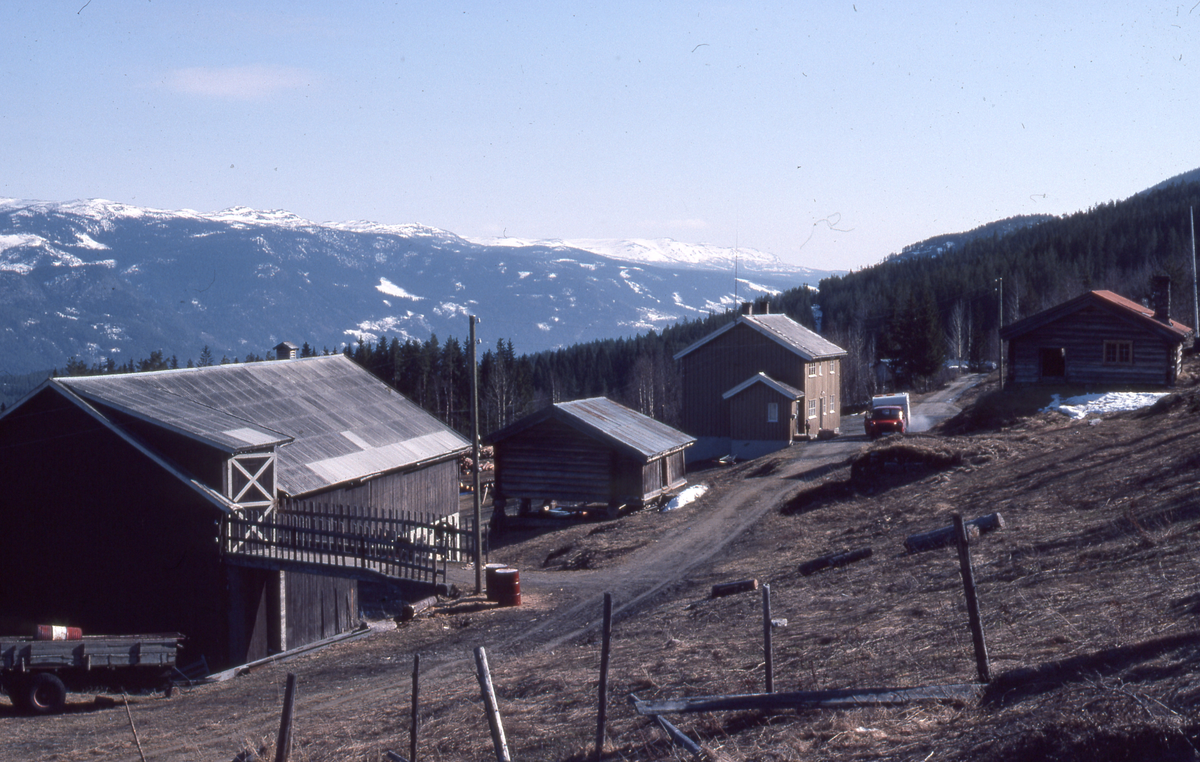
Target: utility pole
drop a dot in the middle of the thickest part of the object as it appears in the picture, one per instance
(999, 325)
(475, 462)
(1195, 303)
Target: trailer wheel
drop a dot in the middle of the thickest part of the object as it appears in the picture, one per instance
(44, 693)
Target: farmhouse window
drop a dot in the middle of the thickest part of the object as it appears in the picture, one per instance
(832, 367)
(812, 408)
(1118, 352)
(772, 412)
(812, 370)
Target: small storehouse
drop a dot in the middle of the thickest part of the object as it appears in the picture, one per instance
(1098, 338)
(757, 384)
(587, 451)
(116, 489)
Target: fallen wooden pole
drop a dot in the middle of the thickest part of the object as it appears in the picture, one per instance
(409, 611)
(679, 738)
(968, 577)
(732, 588)
(945, 536)
(834, 560)
(283, 744)
(605, 640)
(843, 697)
(394, 757)
(768, 667)
(489, 700)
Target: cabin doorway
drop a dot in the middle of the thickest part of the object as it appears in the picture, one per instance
(1053, 361)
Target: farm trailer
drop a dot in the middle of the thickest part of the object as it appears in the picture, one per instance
(36, 674)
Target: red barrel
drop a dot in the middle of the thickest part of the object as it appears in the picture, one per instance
(508, 587)
(55, 632)
(489, 576)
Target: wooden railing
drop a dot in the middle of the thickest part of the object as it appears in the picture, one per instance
(393, 543)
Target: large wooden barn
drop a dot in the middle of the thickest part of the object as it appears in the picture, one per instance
(1098, 338)
(116, 488)
(757, 384)
(587, 451)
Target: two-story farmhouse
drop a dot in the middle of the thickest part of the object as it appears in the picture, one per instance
(119, 491)
(1098, 338)
(757, 384)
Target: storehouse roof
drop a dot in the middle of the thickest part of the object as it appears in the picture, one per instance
(1127, 308)
(599, 417)
(330, 420)
(792, 336)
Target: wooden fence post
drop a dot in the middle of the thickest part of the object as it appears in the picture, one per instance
(968, 577)
(766, 608)
(489, 700)
(605, 639)
(412, 735)
(283, 744)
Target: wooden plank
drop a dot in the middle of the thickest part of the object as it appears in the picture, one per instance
(833, 561)
(732, 588)
(846, 697)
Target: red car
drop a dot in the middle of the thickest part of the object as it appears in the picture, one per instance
(885, 420)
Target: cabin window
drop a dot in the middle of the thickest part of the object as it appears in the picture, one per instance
(1118, 352)
(772, 412)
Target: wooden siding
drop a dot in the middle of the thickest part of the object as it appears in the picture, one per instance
(97, 536)
(826, 386)
(433, 489)
(553, 461)
(725, 362)
(318, 607)
(748, 415)
(1081, 336)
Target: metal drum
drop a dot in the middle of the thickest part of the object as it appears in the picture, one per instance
(508, 587)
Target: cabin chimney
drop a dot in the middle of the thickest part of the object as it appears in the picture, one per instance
(747, 308)
(1160, 297)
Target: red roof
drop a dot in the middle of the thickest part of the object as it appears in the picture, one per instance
(1142, 314)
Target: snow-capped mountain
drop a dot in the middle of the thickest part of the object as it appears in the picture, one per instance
(96, 279)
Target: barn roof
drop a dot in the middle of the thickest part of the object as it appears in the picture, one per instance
(790, 392)
(789, 334)
(1127, 308)
(625, 429)
(330, 420)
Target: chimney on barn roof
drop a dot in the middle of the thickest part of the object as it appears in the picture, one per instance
(285, 350)
(1160, 297)
(766, 308)
(747, 308)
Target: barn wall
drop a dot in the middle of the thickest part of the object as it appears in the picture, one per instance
(713, 369)
(318, 607)
(97, 536)
(554, 461)
(432, 489)
(1082, 336)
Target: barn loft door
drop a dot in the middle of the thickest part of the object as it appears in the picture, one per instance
(250, 479)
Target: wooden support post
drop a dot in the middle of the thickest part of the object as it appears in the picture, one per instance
(968, 576)
(416, 684)
(477, 508)
(605, 640)
(283, 744)
(769, 669)
(489, 700)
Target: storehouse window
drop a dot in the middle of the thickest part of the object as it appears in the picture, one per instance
(1118, 352)
(772, 412)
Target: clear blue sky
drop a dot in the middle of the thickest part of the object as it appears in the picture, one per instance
(827, 133)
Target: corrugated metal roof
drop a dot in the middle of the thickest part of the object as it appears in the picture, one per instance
(332, 421)
(625, 427)
(782, 329)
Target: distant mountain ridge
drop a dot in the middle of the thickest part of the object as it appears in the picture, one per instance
(95, 279)
(932, 247)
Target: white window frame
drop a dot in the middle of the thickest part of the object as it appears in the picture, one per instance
(772, 412)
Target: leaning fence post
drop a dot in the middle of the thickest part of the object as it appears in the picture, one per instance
(766, 607)
(489, 700)
(968, 576)
(283, 744)
(605, 639)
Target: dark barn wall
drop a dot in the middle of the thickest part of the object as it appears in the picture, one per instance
(97, 536)
(432, 489)
(723, 363)
(318, 607)
(1082, 335)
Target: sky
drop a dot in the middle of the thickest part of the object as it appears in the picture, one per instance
(829, 134)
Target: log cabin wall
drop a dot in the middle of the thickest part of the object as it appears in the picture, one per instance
(1081, 337)
(725, 362)
(554, 460)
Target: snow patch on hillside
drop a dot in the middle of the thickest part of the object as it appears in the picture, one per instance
(1080, 407)
(391, 289)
